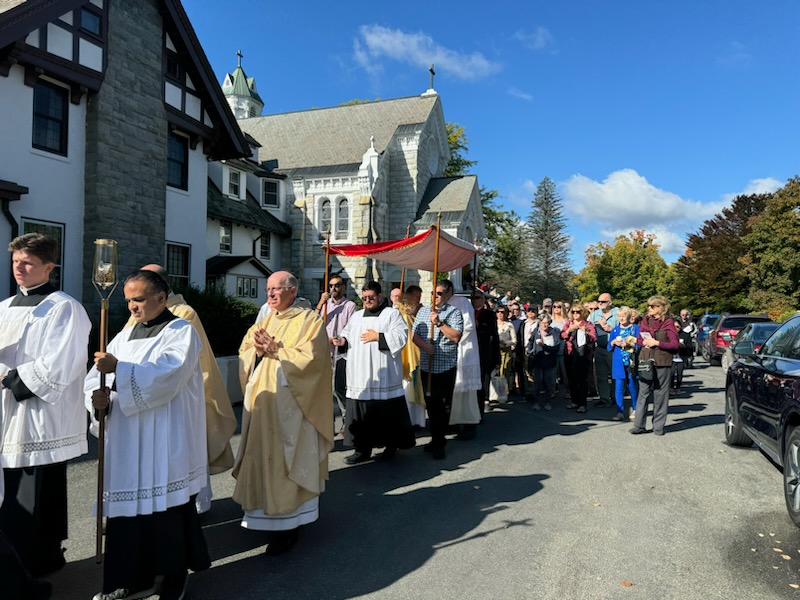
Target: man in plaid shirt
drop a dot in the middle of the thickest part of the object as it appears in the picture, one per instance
(439, 359)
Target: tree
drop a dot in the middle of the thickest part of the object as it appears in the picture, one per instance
(771, 256)
(459, 146)
(548, 245)
(710, 275)
(631, 270)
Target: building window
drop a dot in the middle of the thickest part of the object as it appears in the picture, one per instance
(247, 287)
(342, 219)
(265, 245)
(55, 231)
(178, 265)
(324, 218)
(234, 183)
(90, 21)
(225, 236)
(174, 69)
(178, 161)
(50, 106)
(271, 193)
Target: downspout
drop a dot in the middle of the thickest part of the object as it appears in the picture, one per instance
(12, 286)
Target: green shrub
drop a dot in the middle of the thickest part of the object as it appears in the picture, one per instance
(226, 319)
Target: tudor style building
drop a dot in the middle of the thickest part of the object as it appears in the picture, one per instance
(111, 114)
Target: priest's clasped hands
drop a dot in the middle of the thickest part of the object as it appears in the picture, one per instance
(266, 345)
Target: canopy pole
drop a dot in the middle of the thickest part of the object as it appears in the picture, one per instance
(433, 301)
(403, 270)
(327, 270)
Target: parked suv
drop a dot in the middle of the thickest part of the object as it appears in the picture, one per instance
(705, 325)
(723, 331)
(762, 404)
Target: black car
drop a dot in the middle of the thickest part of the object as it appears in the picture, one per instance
(758, 333)
(720, 336)
(762, 404)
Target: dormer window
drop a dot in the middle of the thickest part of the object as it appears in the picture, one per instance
(270, 194)
(234, 183)
(174, 67)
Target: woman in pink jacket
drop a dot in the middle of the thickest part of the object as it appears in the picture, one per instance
(659, 342)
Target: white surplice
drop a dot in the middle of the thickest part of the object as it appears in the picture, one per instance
(47, 345)
(372, 373)
(465, 409)
(155, 448)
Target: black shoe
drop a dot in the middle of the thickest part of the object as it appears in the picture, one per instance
(282, 542)
(356, 458)
(658, 431)
(601, 404)
(388, 453)
(428, 447)
(173, 587)
(638, 430)
(438, 453)
(39, 589)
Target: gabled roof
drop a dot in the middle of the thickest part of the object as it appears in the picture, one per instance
(19, 17)
(241, 85)
(337, 135)
(220, 265)
(248, 212)
(447, 195)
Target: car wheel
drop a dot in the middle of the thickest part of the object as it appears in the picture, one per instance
(791, 475)
(733, 431)
(704, 352)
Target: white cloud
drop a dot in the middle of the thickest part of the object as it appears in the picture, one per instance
(760, 185)
(418, 49)
(515, 92)
(736, 55)
(625, 200)
(539, 39)
(669, 240)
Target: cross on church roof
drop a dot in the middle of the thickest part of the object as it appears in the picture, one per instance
(240, 56)
(432, 72)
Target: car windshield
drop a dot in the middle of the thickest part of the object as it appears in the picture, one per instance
(762, 332)
(739, 322)
(710, 320)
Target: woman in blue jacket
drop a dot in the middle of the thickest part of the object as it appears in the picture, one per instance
(622, 344)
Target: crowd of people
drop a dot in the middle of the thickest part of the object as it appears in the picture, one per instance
(386, 368)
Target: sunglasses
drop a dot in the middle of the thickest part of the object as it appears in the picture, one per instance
(369, 298)
(556, 306)
(335, 285)
(575, 312)
(603, 301)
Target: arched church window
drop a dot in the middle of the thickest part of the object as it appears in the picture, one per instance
(342, 219)
(324, 217)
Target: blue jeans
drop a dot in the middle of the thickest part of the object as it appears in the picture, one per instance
(619, 389)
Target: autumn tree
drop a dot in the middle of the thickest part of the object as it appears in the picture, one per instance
(547, 244)
(710, 276)
(630, 269)
(770, 256)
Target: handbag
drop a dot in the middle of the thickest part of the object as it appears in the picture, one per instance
(498, 388)
(646, 369)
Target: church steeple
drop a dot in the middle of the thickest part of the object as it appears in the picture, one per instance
(240, 92)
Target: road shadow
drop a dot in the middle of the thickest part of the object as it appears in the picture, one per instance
(370, 535)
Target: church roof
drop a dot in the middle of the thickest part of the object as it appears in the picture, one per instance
(446, 195)
(337, 135)
(241, 85)
(248, 212)
(220, 265)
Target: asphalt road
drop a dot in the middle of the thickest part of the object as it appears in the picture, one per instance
(539, 505)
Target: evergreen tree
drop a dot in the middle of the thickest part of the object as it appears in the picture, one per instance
(548, 246)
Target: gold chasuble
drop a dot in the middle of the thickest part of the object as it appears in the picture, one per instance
(411, 359)
(287, 424)
(220, 420)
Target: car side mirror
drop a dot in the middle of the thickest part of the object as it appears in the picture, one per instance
(744, 348)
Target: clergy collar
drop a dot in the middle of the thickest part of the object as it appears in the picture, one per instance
(164, 317)
(43, 289)
(375, 311)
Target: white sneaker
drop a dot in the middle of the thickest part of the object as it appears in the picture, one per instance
(632, 417)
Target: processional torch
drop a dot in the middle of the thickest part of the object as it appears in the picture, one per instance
(105, 280)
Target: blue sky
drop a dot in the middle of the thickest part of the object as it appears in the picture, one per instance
(646, 114)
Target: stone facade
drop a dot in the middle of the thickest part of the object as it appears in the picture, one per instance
(126, 145)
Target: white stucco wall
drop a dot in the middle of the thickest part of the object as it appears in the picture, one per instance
(186, 215)
(55, 182)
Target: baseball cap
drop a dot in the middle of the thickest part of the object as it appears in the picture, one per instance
(547, 302)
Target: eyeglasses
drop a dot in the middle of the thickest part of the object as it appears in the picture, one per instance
(603, 301)
(575, 312)
(369, 298)
(335, 285)
(279, 288)
(556, 306)
(441, 293)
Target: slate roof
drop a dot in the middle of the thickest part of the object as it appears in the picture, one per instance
(447, 194)
(248, 213)
(337, 135)
(219, 265)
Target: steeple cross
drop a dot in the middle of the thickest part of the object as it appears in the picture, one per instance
(432, 72)
(240, 55)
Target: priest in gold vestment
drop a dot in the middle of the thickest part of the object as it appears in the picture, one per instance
(287, 424)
